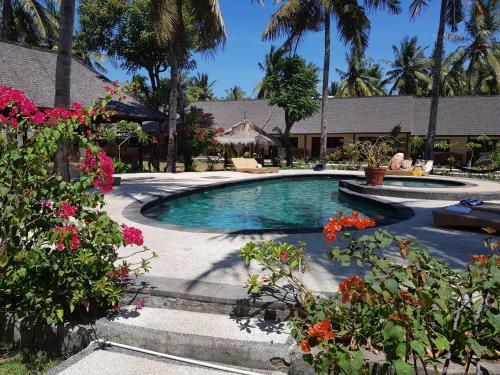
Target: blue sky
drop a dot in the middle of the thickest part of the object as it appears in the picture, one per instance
(236, 63)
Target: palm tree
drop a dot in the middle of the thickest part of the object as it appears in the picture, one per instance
(205, 17)
(361, 78)
(451, 13)
(200, 88)
(29, 21)
(333, 89)
(235, 93)
(63, 77)
(410, 69)
(478, 60)
(274, 56)
(296, 17)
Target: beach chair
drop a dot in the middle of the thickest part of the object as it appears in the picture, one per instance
(485, 215)
(410, 172)
(250, 165)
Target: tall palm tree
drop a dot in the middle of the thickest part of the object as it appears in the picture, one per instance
(361, 78)
(271, 59)
(170, 18)
(200, 88)
(29, 21)
(410, 69)
(451, 13)
(333, 89)
(235, 93)
(478, 58)
(296, 17)
(63, 77)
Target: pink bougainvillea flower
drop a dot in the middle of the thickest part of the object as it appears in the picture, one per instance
(140, 304)
(132, 236)
(67, 232)
(66, 210)
(283, 256)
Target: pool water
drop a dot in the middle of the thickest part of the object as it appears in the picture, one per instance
(419, 183)
(277, 204)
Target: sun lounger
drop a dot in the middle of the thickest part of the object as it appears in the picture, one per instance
(250, 165)
(410, 172)
(482, 216)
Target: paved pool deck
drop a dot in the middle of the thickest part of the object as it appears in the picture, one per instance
(196, 256)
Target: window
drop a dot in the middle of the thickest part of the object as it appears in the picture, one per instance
(332, 142)
(368, 139)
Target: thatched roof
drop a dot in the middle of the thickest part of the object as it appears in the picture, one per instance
(246, 133)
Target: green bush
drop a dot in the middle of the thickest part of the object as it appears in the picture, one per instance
(415, 309)
(58, 248)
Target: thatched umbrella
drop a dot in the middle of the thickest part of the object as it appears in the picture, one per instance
(245, 133)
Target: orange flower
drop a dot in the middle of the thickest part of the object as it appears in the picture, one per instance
(304, 345)
(321, 331)
(482, 259)
(336, 224)
(352, 283)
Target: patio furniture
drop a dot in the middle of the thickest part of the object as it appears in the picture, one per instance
(410, 172)
(250, 165)
(482, 216)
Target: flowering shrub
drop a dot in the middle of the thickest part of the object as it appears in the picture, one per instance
(198, 136)
(416, 309)
(58, 249)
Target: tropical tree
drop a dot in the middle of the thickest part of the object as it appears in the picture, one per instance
(410, 69)
(200, 88)
(271, 59)
(29, 21)
(172, 19)
(235, 93)
(451, 13)
(333, 89)
(296, 17)
(478, 58)
(62, 97)
(293, 88)
(361, 77)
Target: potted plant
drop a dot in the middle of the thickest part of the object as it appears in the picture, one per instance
(375, 153)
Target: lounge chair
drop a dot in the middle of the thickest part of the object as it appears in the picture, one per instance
(249, 165)
(485, 215)
(410, 172)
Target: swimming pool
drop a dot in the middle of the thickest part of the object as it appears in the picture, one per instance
(265, 205)
(419, 182)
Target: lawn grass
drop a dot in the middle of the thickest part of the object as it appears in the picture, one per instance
(24, 362)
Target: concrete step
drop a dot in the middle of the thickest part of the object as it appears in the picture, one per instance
(246, 342)
(118, 361)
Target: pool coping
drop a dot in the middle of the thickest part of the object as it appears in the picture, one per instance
(135, 211)
(415, 193)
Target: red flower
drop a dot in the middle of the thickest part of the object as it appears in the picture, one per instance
(132, 236)
(66, 210)
(482, 259)
(102, 166)
(304, 345)
(283, 256)
(336, 224)
(67, 232)
(321, 331)
(123, 272)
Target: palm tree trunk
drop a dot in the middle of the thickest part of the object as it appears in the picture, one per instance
(63, 78)
(324, 94)
(436, 84)
(8, 30)
(172, 112)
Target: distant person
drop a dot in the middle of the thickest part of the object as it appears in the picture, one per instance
(397, 162)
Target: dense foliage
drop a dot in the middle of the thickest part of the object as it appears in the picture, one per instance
(58, 248)
(414, 308)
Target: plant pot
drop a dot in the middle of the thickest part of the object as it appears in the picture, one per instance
(374, 175)
(117, 181)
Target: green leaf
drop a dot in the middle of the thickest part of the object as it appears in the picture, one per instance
(60, 314)
(477, 348)
(419, 347)
(441, 343)
(4, 259)
(402, 368)
(391, 285)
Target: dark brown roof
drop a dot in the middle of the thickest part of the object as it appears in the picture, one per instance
(457, 115)
(33, 71)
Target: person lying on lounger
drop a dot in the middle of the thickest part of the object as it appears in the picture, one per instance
(397, 162)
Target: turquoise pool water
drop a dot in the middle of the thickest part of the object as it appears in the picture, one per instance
(420, 183)
(277, 204)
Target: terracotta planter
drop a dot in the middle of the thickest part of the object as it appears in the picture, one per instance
(117, 181)
(374, 176)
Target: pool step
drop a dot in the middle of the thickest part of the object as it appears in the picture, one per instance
(246, 342)
(233, 300)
